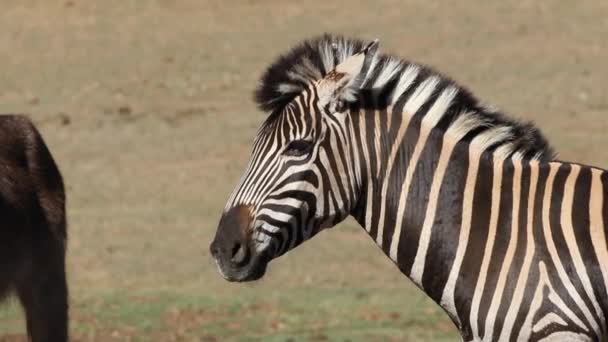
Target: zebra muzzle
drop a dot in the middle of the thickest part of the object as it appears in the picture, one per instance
(232, 246)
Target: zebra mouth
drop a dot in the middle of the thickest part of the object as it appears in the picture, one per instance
(253, 267)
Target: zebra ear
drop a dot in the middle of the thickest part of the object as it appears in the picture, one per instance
(346, 79)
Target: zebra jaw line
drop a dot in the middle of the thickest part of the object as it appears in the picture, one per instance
(467, 202)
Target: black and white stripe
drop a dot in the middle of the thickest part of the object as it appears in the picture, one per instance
(466, 202)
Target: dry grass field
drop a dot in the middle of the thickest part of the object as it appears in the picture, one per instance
(146, 105)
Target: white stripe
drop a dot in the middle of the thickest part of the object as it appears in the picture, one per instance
(557, 301)
(333, 183)
(264, 182)
(441, 105)
(370, 70)
(547, 320)
(251, 181)
(370, 188)
(327, 55)
(421, 95)
(506, 264)
(458, 130)
(562, 336)
(447, 298)
(417, 99)
(237, 192)
(287, 201)
(345, 168)
(298, 76)
(463, 124)
(288, 88)
(429, 218)
(522, 279)
(492, 136)
(485, 264)
(568, 229)
(391, 67)
(563, 275)
(277, 215)
(377, 136)
(596, 222)
(537, 299)
(384, 191)
(355, 150)
(405, 81)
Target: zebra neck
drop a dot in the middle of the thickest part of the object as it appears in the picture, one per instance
(416, 191)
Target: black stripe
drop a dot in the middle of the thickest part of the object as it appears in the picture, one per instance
(604, 179)
(359, 208)
(471, 264)
(333, 169)
(396, 176)
(284, 235)
(534, 272)
(520, 251)
(580, 221)
(446, 227)
(396, 181)
(501, 242)
(561, 246)
(549, 307)
(350, 155)
(568, 262)
(417, 201)
(370, 131)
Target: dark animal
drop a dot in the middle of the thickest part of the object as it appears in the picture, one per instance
(32, 230)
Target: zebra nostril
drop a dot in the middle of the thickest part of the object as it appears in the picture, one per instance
(214, 250)
(238, 253)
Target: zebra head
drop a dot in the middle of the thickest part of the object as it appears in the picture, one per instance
(301, 174)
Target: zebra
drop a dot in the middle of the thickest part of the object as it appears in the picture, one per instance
(471, 205)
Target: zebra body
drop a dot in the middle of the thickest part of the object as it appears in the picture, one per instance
(465, 201)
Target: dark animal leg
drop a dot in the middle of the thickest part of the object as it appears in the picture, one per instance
(44, 296)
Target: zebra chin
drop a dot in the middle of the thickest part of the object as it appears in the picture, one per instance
(253, 268)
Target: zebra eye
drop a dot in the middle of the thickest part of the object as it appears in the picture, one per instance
(298, 148)
(340, 106)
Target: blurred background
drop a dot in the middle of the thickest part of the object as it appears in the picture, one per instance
(147, 107)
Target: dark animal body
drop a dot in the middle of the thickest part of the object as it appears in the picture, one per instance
(32, 229)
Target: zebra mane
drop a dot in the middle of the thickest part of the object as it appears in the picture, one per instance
(391, 77)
